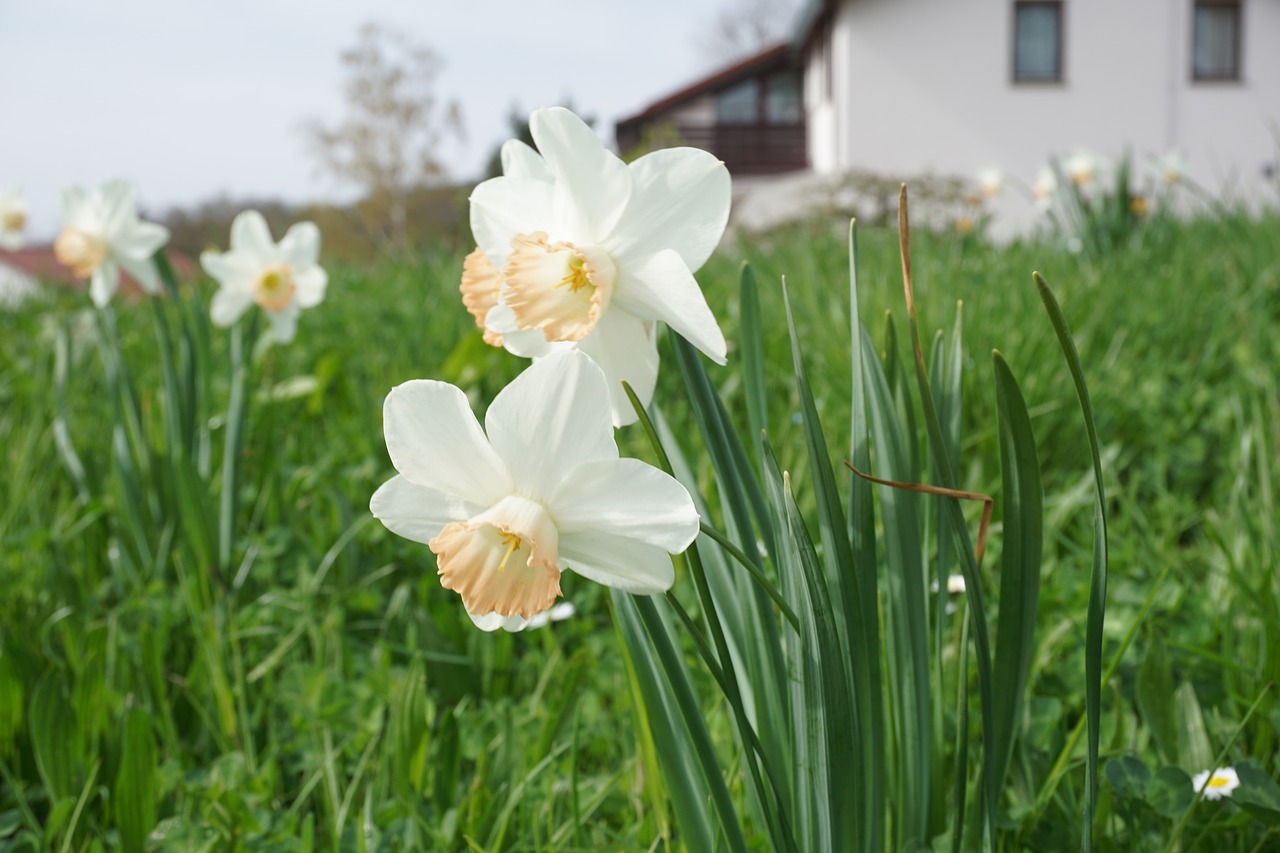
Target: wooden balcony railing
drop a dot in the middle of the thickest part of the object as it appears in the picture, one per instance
(751, 149)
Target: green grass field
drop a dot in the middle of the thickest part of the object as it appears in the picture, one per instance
(322, 692)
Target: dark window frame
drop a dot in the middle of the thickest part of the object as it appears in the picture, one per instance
(761, 82)
(1236, 74)
(1059, 76)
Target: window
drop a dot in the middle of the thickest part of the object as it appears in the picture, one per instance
(1037, 42)
(1215, 40)
(782, 98)
(740, 104)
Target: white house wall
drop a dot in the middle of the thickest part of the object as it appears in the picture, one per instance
(819, 109)
(927, 85)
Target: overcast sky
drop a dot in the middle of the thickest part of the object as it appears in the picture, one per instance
(192, 99)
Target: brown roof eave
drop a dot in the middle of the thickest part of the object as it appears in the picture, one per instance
(776, 55)
(807, 21)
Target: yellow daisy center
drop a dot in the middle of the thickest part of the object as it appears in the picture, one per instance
(274, 289)
(81, 251)
(559, 288)
(14, 220)
(1219, 782)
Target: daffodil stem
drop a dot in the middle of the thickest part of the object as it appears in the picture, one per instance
(713, 666)
(720, 665)
(664, 462)
(726, 678)
(237, 411)
(174, 416)
(763, 582)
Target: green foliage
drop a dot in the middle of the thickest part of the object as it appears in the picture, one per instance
(317, 690)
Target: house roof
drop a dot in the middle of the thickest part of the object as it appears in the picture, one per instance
(806, 20)
(42, 264)
(757, 62)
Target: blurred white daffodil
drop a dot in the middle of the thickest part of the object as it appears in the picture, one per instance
(990, 182)
(1045, 187)
(591, 252)
(538, 491)
(13, 220)
(1217, 783)
(101, 234)
(282, 278)
(1082, 168)
(1170, 168)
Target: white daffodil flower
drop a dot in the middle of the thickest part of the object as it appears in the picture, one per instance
(1082, 168)
(990, 182)
(540, 490)
(481, 280)
(282, 278)
(101, 234)
(13, 220)
(592, 252)
(1217, 783)
(1045, 188)
(1171, 168)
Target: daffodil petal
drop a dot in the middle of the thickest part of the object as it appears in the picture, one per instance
(626, 348)
(300, 245)
(140, 241)
(70, 202)
(103, 284)
(417, 512)
(284, 323)
(680, 201)
(504, 207)
(618, 562)
(435, 441)
(234, 269)
(119, 208)
(229, 304)
(311, 282)
(660, 287)
(628, 498)
(530, 343)
(143, 271)
(552, 417)
(592, 185)
(519, 160)
(250, 234)
(493, 621)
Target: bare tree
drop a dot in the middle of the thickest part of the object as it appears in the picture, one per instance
(744, 27)
(388, 143)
